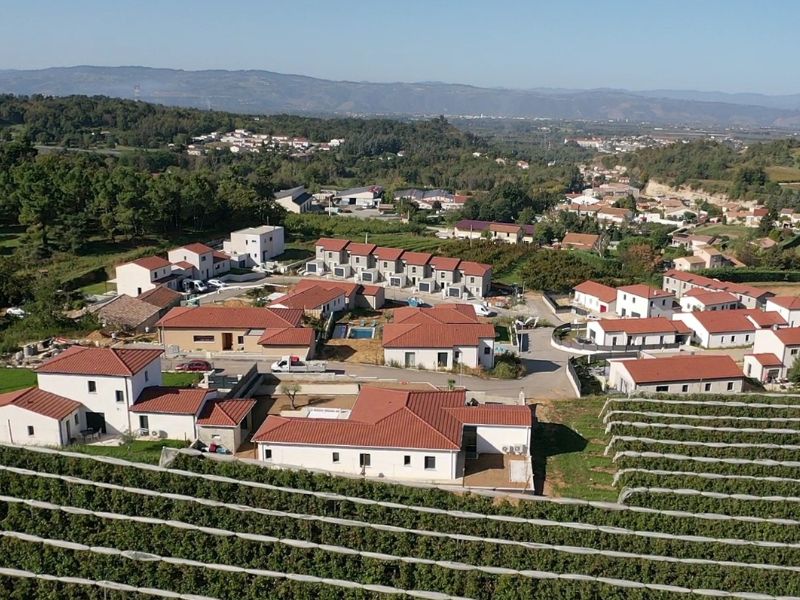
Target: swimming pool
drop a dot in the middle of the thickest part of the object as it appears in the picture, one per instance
(361, 333)
(339, 331)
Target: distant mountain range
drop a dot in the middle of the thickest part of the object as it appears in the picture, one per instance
(269, 92)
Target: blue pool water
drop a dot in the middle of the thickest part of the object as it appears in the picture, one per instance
(361, 333)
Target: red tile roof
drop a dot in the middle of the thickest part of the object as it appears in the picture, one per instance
(724, 321)
(387, 418)
(707, 298)
(219, 317)
(474, 269)
(161, 296)
(764, 318)
(443, 326)
(332, 244)
(346, 287)
(170, 400)
(715, 284)
(598, 290)
(225, 413)
(384, 253)
(787, 302)
(151, 262)
(580, 240)
(310, 298)
(359, 249)
(186, 266)
(416, 258)
(196, 247)
(767, 359)
(443, 263)
(644, 291)
(288, 336)
(640, 326)
(505, 227)
(41, 402)
(790, 336)
(682, 368)
(115, 362)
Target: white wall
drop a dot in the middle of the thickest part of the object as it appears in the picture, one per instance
(174, 427)
(428, 357)
(388, 462)
(14, 422)
(133, 279)
(492, 438)
(620, 380)
(629, 305)
(792, 317)
(620, 338)
(593, 303)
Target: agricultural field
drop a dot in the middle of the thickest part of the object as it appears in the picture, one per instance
(230, 531)
(783, 174)
(16, 379)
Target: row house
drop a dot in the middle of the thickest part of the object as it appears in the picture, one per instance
(787, 307)
(644, 301)
(700, 299)
(679, 283)
(624, 334)
(728, 328)
(371, 264)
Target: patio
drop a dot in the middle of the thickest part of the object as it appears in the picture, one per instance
(503, 471)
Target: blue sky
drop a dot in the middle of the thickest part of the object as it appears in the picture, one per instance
(721, 45)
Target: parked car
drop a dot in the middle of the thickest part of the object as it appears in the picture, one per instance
(217, 283)
(293, 364)
(195, 366)
(482, 310)
(199, 286)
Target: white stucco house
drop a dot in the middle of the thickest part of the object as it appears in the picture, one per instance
(254, 245)
(653, 333)
(681, 374)
(787, 307)
(441, 337)
(679, 282)
(397, 434)
(594, 297)
(643, 301)
(199, 256)
(34, 417)
(145, 274)
(700, 299)
(727, 328)
(774, 353)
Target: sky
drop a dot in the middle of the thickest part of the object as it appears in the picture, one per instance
(710, 45)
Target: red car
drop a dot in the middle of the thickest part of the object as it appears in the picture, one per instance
(195, 365)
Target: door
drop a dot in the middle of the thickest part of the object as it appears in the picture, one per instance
(411, 359)
(469, 441)
(441, 359)
(144, 422)
(69, 431)
(227, 341)
(96, 421)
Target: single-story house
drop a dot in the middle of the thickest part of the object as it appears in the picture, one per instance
(700, 299)
(441, 337)
(269, 331)
(594, 297)
(764, 367)
(682, 374)
(170, 411)
(34, 417)
(654, 332)
(726, 328)
(226, 421)
(397, 434)
(581, 241)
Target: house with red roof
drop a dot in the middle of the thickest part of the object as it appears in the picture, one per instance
(641, 300)
(679, 374)
(329, 252)
(356, 295)
(144, 274)
(594, 297)
(727, 328)
(510, 233)
(632, 334)
(200, 256)
(397, 435)
(440, 337)
(774, 352)
(702, 299)
(787, 307)
(33, 417)
(679, 282)
(171, 410)
(271, 332)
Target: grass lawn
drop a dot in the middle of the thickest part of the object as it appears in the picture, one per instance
(502, 333)
(720, 229)
(97, 289)
(16, 379)
(294, 252)
(180, 379)
(144, 451)
(783, 174)
(571, 438)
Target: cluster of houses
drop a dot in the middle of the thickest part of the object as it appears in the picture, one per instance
(242, 140)
(689, 312)
(370, 264)
(432, 199)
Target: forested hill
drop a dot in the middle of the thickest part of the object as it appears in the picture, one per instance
(269, 92)
(766, 172)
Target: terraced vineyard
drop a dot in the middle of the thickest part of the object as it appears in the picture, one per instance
(235, 531)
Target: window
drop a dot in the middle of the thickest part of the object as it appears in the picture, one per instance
(76, 419)
(204, 339)
(662, 388)
(707, 387)
(30, 429)
(335, 457)
(407, 460)
(730, 386)
(364, 460)
(793, 352)
(243, 424)
(120, 396)
(684, 388)
(441, 359)
(203, 259)
(487, 350)
(240, 339)
(146, 376)
(92, 387)
(144, 422)
(430, 463)
(267, 454)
